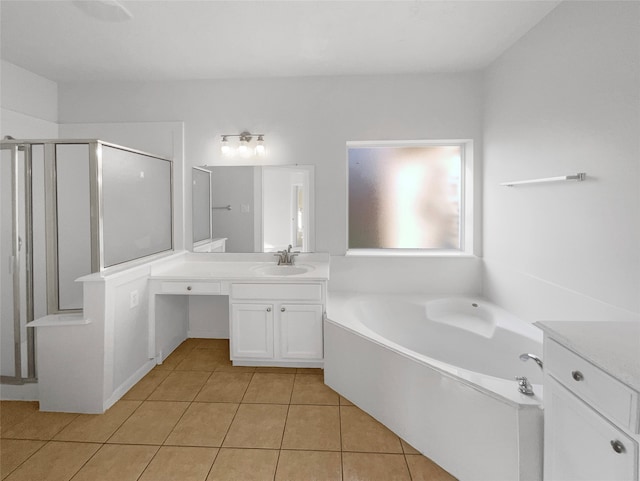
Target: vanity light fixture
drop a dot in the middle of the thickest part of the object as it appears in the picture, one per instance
(244, 148)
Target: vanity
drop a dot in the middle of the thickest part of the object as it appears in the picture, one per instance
(275, 312)
(592, 400)
(133, 318)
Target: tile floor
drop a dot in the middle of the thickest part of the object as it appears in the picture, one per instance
(196, 417)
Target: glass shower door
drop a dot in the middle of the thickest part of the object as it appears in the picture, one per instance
(17, 305)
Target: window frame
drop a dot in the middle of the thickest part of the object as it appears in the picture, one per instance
(467, 201)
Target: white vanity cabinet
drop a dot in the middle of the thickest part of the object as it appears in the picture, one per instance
(277, 324)
(592, 409)
(251, 331)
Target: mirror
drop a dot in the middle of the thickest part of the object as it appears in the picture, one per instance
(201, 205)
(253, 208)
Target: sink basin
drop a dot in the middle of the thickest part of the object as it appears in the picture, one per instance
(272, 270)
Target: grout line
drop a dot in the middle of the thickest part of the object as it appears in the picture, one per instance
(224, 438)
(284, 429)
(150, 461)
(203, 385)
(246, 389)
(6, 475)
(123, 422)
(87, 461)
(174, 426)
(406, 461)
(341, 444)
(215, 458)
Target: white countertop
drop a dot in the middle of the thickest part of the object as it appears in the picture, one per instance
(239, 267)
(614, 347)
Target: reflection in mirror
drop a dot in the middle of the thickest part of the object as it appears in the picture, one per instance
(201, 205)
(261, 209)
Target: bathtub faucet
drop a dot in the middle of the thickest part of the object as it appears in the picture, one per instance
(523, 386)
(526, 356)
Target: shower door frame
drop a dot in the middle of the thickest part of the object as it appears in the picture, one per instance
(51, 234)
(16, 247)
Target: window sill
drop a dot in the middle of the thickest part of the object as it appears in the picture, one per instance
(406, 253)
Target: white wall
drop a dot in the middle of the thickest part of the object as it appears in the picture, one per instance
(565, 99)
(306, 121)
(29, 104)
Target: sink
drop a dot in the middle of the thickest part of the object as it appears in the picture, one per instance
(272, 270)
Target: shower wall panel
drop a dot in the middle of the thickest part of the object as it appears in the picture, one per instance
(136, 205)
(74, 222)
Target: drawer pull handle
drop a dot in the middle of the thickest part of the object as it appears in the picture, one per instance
(282, 309)
(577, 376)
(268, 309)
(618, 447)
(188, 288)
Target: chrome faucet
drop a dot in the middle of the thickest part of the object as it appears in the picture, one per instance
(526, 357)
(524, 386)
(285, 257)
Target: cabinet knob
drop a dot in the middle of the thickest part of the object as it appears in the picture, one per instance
(577, 376)
(188, 288)
(268, 309)
(282, 309)
(618, 447)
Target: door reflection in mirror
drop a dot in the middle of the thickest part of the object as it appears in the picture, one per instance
(271, 207)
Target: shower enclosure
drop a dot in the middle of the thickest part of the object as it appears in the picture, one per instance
(69, 208)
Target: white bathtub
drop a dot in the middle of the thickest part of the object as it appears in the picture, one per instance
(439, 372)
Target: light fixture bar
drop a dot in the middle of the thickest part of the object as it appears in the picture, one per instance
(244, 149)
(247, 135)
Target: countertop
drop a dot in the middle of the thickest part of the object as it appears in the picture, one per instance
(614, 347)
(240, 267)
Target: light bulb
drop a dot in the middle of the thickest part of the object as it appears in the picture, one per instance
(260, 150)
(225, 148)
(243, 149)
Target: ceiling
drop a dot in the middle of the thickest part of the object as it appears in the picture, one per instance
(183, 39)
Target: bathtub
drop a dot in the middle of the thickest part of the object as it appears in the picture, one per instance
(440, 373)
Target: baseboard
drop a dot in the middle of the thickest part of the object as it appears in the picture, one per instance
(19, 392)
(169, 348)
(208, 334)
(129, 383)
(300, 364)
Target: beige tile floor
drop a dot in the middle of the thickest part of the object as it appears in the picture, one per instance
(196, 417)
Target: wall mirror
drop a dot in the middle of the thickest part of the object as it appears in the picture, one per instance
(253, 208)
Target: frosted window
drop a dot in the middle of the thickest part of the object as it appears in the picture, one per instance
(405, 197)
(136, 192)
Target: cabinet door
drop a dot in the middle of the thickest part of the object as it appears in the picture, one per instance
(579, 442)
(301, 331)
(252, 331)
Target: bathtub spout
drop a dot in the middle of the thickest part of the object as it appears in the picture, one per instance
(525, 357)
(523, 386)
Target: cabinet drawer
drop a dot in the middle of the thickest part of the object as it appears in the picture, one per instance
(582, 445)
(190, 288)
(608, 395)
(309, 292)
